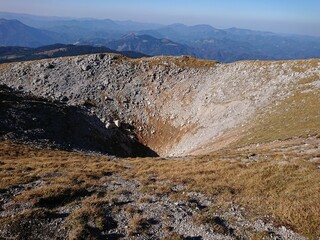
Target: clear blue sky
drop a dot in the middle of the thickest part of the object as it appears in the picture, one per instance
(287, 16)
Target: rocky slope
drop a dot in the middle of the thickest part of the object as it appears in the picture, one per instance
(177, 105)
(53, 124)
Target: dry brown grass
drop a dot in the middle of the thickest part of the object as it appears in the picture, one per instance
(23, 164)
(131, 210)
(145, 199)
(296, 116)
(174, 236)
(181, 62)
(66, 179)
(138, 224)
(309, 79)
(157, 188)
(216, 223)
(281, 183)
(304, 65)
(288, 191)
(79, 222)
(4, 66)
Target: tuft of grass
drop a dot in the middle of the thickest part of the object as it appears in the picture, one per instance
(145, 199)
(158, 189)
(174, 236)
(90, 220)
(138, 225)
(131, 210)
(180, 197)
(79, 221)
(216, 223)
(259, 235)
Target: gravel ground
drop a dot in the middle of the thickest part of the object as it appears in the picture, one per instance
(163, 216)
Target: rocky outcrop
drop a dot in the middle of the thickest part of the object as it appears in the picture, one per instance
(175, 105)
(53, 124)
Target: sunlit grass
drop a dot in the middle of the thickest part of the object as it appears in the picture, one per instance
(288, 191)
(282, 183)
(296, 116)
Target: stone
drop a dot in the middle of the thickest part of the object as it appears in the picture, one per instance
(117, 123)
(85, 67)
(49, 65)
(101, 87)
(110, 125)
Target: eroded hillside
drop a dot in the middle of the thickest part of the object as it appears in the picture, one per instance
(180, 105)
(263, 117)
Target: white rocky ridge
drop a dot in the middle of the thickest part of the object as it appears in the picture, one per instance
(175, 108)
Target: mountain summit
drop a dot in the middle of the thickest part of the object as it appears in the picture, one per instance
(147, 44)
(15, 33)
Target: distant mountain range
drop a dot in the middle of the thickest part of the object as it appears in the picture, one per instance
(17, 54)
(15, 33)
(149, 45)
(202, 41)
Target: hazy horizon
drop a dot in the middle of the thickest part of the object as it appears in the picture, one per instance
(291, 17)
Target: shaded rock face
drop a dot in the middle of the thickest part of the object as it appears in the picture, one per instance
(174, 105)
(53, 124)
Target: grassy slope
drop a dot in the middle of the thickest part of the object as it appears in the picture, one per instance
(282, 183)
(297, 116)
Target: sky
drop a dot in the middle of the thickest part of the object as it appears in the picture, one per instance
(282, 16)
